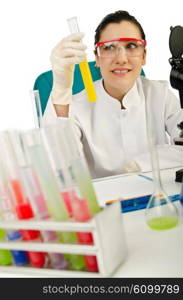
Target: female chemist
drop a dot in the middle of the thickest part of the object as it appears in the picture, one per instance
(112, 130)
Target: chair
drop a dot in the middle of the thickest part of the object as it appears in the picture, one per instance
(44, 82)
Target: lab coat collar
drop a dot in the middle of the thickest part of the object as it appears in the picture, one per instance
(131, 99)
(109, 99)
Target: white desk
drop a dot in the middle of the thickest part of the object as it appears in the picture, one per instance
(129, 186)
(151, 253)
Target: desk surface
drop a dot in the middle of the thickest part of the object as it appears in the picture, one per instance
(134, 185)
(151, 253)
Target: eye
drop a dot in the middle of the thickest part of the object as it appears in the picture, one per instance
(132, 45)
(109, 47)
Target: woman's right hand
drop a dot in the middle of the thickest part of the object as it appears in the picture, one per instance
(64, 56)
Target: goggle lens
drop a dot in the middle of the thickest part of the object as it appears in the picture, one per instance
(132, 48)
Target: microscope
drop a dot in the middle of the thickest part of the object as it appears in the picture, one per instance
(176, 74)
(176, 78)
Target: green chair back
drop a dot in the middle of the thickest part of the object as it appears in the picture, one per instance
(44, 82)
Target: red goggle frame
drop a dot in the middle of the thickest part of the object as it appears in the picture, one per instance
(121, 39)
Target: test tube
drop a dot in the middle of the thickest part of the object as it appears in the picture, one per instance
(21, 204)
(84, 67)
(61, 157)
(35, 195)
(88, 205)
(5, 255)
(19, 257)
(76, 205)
(78, 165)
(37, 110)
(56, 207)
(59, 165)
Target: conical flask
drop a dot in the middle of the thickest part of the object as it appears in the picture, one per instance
(160, 212)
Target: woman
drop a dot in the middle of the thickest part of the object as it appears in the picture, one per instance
(112, 131)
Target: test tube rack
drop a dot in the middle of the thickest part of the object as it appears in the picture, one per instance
(109, 244)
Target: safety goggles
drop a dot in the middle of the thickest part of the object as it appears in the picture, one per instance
(132, 47)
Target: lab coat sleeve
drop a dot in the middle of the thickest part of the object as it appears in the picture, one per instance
(173, 114)
(50, 116)
(78, 134)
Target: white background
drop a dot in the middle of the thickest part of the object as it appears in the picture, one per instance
(30, 29)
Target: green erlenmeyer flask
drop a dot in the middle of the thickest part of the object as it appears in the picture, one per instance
(160, 212)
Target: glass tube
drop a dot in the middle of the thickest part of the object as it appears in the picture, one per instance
(78, 165)
(76, 205)
(5, 255)
(20, 201)
(160, 212)
(35, 196)
(55, 203)
(84, 67)
(37, 110)
(6, 213)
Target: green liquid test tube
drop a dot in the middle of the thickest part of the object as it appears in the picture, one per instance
(75, 203)
(79, 168)
(54, 201)
(5, 255)
(83, 180)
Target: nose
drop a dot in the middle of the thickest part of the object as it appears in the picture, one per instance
(121, 55)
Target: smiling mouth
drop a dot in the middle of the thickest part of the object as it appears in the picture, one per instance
(120, 72)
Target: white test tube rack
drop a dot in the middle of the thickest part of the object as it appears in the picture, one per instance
(109, 244)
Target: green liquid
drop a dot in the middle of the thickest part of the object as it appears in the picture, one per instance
(84, 183)
(76, 261)
(5, 255)
(49, 187)
(55, 203)
(163, 223)
(2, 234)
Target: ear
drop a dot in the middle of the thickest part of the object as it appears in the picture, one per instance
(97, 60)
(144, 57)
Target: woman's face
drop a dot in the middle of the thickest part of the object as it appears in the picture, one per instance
(117, 83)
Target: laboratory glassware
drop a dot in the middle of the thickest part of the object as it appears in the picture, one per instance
(5, 255)
(88, 205)
(54, 201)
(21, 204)
(7, 214)
(84, 67)
(78, 165)
(160, 212)
(76, 205)
(37, 110)
(35, 196)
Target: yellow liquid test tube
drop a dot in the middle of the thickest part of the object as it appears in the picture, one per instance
(84, 67)
(88, 82)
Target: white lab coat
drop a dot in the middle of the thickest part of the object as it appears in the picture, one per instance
(111, 136)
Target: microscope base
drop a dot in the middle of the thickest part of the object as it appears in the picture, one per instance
(178, 141)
